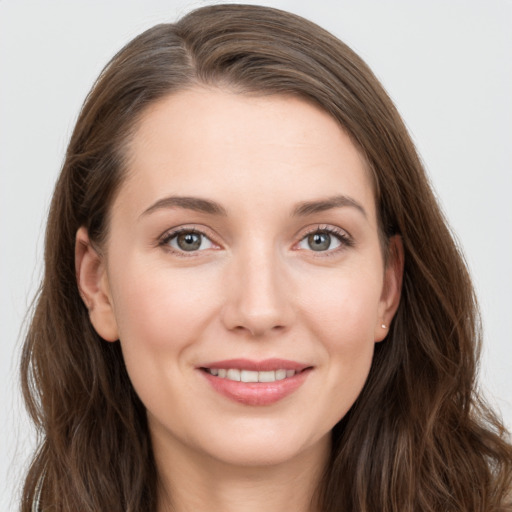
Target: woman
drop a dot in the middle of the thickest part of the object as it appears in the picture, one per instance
(251, 298)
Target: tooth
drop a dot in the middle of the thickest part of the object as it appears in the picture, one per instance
(248, 376)
(280, 374)
(233, 374)
(266, 376)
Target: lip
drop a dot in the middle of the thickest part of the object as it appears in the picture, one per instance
(265, 365)
(257, 393)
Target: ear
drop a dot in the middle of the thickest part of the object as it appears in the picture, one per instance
(92, 279)
(392, 287)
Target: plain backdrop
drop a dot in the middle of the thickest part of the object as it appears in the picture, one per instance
(446, 64)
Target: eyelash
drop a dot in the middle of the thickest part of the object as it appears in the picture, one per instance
(343, 237)
(168, 236)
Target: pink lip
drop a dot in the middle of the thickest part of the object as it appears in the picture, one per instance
(266, 365)
(257, 393)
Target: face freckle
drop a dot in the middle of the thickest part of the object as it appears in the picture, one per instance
(245, 235)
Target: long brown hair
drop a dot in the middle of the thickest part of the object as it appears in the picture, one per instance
(418, 438)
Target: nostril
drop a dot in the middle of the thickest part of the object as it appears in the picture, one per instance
(260, 331)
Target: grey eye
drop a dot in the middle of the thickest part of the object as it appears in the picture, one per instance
(190, 241)
(320, 241)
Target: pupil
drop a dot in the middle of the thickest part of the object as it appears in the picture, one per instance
(319, 241)
(189, 241)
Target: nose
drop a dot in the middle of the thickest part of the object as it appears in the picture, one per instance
(258, 294)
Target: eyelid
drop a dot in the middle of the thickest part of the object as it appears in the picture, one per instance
(342, 235)
(164, 238)
(346, 240)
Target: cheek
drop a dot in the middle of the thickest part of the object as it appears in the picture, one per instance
(342, 316)
(161, 309)
(343, 310)
(161, 314)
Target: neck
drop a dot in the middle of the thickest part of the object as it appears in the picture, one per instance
(192, 482)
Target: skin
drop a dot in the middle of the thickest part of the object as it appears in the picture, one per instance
(255, 289)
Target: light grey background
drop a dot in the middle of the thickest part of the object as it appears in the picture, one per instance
(447, 65)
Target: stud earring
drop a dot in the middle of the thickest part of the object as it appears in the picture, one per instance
(384, 326)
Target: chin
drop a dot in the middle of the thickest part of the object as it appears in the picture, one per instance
(256, 448)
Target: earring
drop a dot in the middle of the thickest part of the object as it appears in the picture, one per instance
(384, 326)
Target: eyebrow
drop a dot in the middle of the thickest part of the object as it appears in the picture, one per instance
(339, 201)
(189, 203)
(213, 208)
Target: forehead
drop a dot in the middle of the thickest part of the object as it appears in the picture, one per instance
(254, 149)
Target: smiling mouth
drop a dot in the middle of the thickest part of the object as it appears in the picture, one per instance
(256, 383)
(240, 375)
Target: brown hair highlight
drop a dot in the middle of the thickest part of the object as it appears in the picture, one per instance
(418, 438)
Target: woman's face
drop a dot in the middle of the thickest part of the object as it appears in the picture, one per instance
(243, 244)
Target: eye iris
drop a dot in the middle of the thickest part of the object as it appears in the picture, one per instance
(319, 241)
(189, 241)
